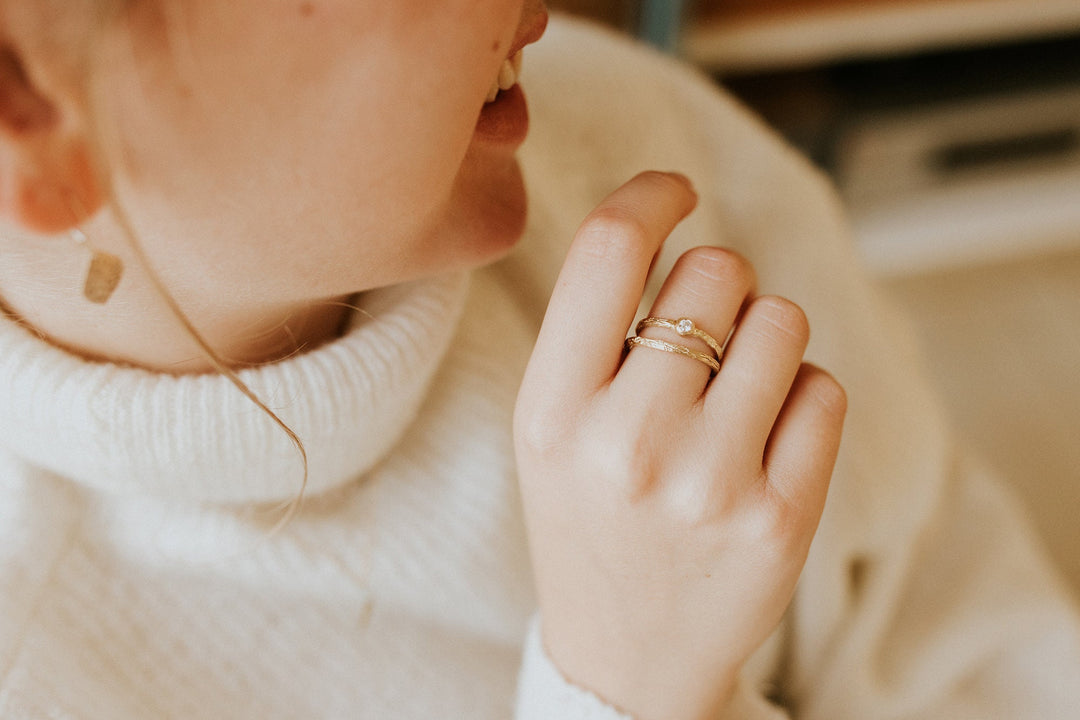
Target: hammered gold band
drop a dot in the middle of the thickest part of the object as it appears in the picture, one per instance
(713, 363)
(686, 328)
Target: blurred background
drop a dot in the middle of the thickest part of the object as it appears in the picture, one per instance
(952, 129)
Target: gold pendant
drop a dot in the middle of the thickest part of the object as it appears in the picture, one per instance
(102, 277)
(104, 272)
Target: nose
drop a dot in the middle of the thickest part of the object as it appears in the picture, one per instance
(534, 20)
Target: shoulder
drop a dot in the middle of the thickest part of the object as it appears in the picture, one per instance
(587, 83)
(606, 107)
(580, 58)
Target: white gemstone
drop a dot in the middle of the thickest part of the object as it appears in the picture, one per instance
(684, 326)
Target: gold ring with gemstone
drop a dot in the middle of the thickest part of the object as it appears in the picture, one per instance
(686, 328)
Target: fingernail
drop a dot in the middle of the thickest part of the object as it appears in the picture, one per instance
(685, 180)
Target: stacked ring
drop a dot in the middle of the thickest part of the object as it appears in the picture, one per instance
(686, 328)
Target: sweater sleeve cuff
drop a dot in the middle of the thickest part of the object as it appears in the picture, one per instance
(544, 694)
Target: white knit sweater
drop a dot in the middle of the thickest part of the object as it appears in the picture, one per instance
(139, 577)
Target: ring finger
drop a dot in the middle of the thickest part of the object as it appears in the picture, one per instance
(709, 286)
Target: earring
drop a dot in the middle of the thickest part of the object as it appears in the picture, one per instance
(104, 272)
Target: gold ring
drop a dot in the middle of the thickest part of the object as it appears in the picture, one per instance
(713, 363)
(686, 328)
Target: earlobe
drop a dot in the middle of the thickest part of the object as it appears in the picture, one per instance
(48, 191)
(47, 180)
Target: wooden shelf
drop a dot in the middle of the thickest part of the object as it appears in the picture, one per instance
(761, 35)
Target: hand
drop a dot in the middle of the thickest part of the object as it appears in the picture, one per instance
(669, 513)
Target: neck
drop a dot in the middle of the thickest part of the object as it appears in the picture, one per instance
(138, 325)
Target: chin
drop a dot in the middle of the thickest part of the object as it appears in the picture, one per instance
(490, 213)
(482, 222)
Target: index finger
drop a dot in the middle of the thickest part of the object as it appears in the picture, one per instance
(598, 291)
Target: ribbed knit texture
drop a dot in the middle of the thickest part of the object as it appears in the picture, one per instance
(139, 577)
(132, 432)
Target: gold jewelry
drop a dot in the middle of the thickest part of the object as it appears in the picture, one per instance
(713, 363)
(104, 272)
(686, 328)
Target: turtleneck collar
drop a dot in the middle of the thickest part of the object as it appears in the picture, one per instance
(131, 431)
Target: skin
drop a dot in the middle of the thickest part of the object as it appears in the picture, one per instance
(669, 513)
(261, 186)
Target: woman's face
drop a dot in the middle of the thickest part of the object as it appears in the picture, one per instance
(289, 150)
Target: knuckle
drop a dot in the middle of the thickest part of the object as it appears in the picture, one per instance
(614, 233)
(783, 316)
(824, 388)
(782, 524)
(696, 506)
(623, 460)
(719, 265)
(538, 432)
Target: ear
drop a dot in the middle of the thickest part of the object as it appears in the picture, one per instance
(47, 180)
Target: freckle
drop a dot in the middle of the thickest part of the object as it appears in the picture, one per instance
(307, 9)
(496, 46)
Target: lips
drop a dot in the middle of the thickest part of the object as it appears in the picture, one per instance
(505, 121)
(504, 118)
